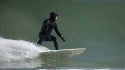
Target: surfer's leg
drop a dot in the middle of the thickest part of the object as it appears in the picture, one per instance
(40, 41)
(55, 42)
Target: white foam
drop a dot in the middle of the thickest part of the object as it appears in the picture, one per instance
(16, 50)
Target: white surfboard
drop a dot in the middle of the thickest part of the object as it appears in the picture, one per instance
(62, 53)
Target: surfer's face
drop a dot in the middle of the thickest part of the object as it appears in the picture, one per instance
(56, 18)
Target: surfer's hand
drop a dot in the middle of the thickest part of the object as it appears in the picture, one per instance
(63, 40)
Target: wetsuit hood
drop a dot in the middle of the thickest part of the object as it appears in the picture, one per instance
(53, 15)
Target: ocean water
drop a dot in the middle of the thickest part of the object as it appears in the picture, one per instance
(25, 55)
(97, 25)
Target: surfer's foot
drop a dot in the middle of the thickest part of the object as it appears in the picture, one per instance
(56, 48)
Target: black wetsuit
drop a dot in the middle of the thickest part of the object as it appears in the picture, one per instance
(45, 33)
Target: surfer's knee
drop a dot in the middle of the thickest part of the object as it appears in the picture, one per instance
(53, 38)
(39, 42)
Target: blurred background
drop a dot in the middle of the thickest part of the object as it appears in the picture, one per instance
(97, 25)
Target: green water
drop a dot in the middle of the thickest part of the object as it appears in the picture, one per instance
(97, 25)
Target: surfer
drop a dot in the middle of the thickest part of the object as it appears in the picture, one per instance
(47, 27)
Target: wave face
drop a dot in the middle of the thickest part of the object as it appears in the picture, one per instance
(19, 54)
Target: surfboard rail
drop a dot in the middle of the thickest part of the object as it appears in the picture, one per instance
(62, 53)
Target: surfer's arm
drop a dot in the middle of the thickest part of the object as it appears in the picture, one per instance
(44, 29)
(58, 33)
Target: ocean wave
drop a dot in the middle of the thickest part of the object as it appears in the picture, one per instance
(19, 53)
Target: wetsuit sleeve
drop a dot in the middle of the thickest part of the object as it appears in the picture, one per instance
(44, 29)
(58, 33)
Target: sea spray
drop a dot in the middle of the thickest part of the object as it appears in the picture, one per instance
(19, 53)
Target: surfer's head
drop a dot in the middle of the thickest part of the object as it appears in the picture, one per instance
(53, 16)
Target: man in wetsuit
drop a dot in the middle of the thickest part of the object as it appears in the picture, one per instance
(47, 27)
